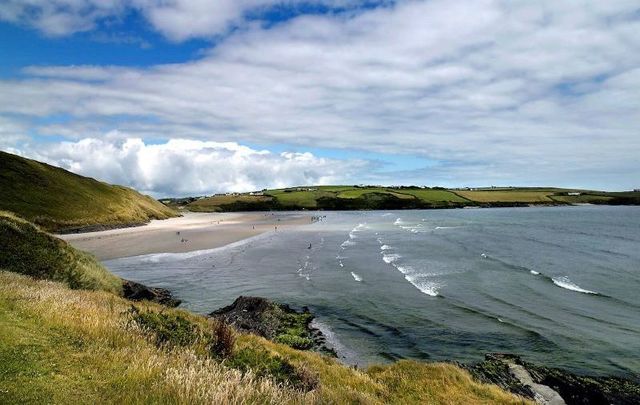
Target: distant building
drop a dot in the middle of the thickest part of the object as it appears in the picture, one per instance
(573, 193)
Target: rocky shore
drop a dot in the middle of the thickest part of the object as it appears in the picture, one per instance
(551, 385)
(277, 322)
(544, 385)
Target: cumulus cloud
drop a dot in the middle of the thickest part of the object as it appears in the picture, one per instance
(182, 167)
(543, 91)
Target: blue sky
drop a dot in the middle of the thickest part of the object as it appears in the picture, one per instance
(160, 95)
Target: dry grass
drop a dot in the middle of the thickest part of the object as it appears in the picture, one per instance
(62, 346)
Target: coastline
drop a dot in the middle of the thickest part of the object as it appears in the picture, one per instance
(191, 232)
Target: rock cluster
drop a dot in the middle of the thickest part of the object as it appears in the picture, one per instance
(139, 292)
(539, 383)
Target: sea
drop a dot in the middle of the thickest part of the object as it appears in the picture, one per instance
(559, 286)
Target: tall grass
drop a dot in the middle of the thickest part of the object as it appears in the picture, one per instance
(62, 346)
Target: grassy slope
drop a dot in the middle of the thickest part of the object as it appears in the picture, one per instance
(28, 250)
(63, 346)
(59, 200)
(344, 196)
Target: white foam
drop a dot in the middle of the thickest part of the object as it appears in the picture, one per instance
(535, 273)
(565, 283)
(347, 243)
(385, 247)
(483, 255)
(390, 258)
(398, 221)
(426, 286)
(356, 277)
(340, 263)
(404, 269)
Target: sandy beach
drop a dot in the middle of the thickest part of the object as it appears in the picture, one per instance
(192, 231)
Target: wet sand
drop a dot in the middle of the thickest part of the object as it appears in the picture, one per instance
(193, 231)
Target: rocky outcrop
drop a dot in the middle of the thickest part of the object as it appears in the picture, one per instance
(139, 292)
(551, 385)
(277, 322)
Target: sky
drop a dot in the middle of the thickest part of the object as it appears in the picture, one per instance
(195, 97)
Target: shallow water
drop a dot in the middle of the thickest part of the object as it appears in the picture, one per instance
(558, 285)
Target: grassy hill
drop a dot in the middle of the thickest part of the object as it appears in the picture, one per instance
(87, 344)
(33, 252)
(370, 197)
(59, 201)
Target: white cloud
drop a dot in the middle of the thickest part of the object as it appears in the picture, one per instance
(546, 91)
(178, 20)
(182, 167)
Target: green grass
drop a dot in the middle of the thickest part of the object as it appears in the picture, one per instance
(224, 203)
(63, 346)
(435, 196)
(31, 251)
(303, 199)
(59, 200)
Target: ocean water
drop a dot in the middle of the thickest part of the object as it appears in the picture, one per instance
(557, 285)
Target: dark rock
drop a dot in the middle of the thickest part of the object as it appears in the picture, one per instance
(574, 389)
(139, 292)
(276, 322)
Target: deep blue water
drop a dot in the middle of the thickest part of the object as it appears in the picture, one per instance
(558, 285)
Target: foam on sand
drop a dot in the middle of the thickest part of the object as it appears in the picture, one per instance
(567, 284)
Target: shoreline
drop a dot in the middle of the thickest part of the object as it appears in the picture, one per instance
(191, 232)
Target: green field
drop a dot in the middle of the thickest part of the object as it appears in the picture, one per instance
(59, 200)
(371, 197)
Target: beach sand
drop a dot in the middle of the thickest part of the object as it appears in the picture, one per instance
(192, 231)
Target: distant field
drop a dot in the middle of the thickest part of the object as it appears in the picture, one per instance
(370, 197)
(581, 199)
(223, 202)
(357, 193)
(435, 195)
(513, 196)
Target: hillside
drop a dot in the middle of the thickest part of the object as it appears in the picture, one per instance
(87, 344)
(385, 198)
(61, 201)
(30, 251)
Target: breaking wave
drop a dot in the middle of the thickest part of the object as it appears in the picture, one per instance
(565, 283)
(390, 258)
(356, 277)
